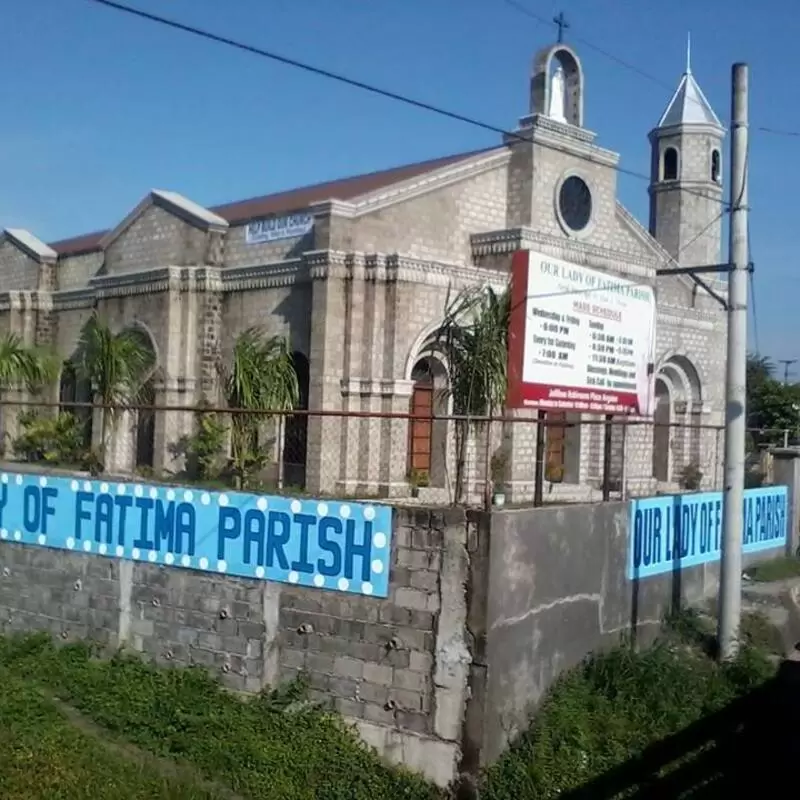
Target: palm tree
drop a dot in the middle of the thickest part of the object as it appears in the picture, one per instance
(474, 340)
(116, 366)
(32, 367)
(22, 366)
(261, 378)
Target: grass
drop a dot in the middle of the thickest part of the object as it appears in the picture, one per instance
(269, 747)
(44, 756)
(148, 732)
(777, 569)
(601, 714)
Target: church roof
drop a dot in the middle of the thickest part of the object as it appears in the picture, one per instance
(688, 106)
(243, 211)
(35, 246)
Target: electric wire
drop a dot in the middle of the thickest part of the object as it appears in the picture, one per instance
(522, 9)
(367, 87)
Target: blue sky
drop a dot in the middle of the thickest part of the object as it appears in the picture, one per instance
(96, 108)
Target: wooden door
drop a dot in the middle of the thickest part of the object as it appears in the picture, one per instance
(555, 447)
(661, 439)
(421, 430)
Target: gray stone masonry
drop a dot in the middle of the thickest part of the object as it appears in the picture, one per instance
(362, 294)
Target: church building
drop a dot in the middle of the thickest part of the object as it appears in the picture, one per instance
(357, 272)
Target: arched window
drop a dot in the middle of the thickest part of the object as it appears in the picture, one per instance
(716, 167)
(669, 170)
(74, 389)
(295, 442)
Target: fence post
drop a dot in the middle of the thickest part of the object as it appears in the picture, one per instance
(281, 447)
(623, 478)
(487, 476)
(538, 474)
(607, 437)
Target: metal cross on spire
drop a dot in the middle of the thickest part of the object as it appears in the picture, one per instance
(561, 22)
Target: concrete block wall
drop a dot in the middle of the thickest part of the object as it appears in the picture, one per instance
(397, 667)
(484, 612)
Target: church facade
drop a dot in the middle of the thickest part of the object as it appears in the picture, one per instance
(356, 273)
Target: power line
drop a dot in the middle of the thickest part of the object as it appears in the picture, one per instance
(357, 84)
(522, 9)
(778, 132)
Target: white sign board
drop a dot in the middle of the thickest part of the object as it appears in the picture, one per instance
(273, 229)
(580, 339)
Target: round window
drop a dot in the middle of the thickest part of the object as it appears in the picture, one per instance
(575, 203)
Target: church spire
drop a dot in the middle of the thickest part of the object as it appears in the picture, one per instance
(688, 106)
(688, 53)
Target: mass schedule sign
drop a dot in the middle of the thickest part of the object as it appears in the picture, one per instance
(323, 544)
(579, 339)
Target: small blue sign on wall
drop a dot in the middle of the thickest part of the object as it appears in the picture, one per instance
(673, 532)
(320, 544)
(274, 229)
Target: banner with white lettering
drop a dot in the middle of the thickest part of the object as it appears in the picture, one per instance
(672, 532)
(323, 544)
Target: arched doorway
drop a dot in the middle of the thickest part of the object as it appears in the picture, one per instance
(295, 441)
(145, 416)
(427, 436)
(74, 389)
(661, 432)
(677, 450)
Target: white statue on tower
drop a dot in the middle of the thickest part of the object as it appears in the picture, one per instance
(558, 96)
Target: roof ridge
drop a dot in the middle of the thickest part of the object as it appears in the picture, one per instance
(240, 211)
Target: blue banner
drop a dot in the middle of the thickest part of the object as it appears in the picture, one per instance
(673, 532)
(320, 544)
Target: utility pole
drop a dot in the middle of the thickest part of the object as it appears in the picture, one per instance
(730, 590)
(787, 362)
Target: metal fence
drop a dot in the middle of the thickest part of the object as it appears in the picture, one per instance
(524, 458)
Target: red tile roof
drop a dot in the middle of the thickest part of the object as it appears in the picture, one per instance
(292, 200)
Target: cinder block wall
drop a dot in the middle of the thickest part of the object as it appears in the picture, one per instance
(397, 667)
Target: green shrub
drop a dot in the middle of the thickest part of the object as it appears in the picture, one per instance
(57, 438)
(204, 447)
(609, 709)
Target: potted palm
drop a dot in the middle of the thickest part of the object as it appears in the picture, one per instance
(116, 366)
(418, 479)
(260, 380)
(474, 339)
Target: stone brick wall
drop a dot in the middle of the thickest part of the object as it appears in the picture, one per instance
(156, 238)
(75, 272)
(19, 270)
(279, 310)
(238, 253)
(397, 667)
(362, 294)
(436, 224)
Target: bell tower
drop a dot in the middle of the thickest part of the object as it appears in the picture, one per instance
(686, 206)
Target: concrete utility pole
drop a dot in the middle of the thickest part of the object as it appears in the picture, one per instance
(730, 590)
(787, 362)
